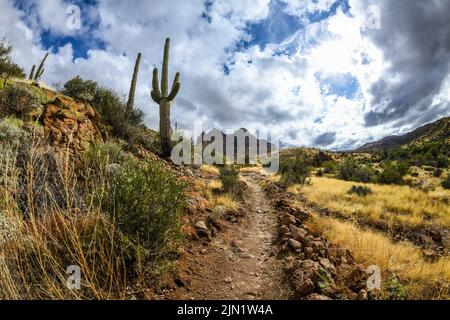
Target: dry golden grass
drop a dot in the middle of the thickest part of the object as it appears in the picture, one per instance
(210, 169)
(390, 204)
(35, 251)
(254, 169)
(215, 185)
(227, 201)
(274, 178)
(423, 280)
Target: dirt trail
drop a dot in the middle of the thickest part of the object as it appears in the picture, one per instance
(240, 263)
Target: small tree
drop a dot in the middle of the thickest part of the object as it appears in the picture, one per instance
(229, 176)
(83, 90)
(7, 67)
(295, 170)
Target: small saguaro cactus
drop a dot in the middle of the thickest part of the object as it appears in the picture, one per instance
(40, 69)
(132, 93)
(32, 72)
(164, 99)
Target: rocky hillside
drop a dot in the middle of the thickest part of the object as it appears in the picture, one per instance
(436, 131)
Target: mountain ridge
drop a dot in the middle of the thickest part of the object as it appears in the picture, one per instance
(434, 131)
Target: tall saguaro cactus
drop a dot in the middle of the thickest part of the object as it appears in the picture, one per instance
(40, 69)
(132, 93)
(164, 99)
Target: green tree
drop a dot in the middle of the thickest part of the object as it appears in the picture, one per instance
(8, 68)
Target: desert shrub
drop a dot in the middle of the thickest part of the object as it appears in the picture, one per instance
(145, 202)
(320, 158)
(83, 90)
(111, 108)
(229, 175)
(442, 161)
(393, 173)
(294, 170)
(433, 154)
(349, 170)
(329, 167)
(12, 132)
(100, 159)
(414, 174)
(17, 100)
(437, 172)
(361, 191)
(446, 182)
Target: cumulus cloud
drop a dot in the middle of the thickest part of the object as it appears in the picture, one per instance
(415, 40)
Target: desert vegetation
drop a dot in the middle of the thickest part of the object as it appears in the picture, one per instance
(405, 273)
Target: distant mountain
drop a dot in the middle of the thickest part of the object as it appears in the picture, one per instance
(250, 140)
(435, 131)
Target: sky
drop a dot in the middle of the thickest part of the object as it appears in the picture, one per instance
(333, 74)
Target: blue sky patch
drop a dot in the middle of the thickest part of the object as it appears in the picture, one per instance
(278, 26)
(82, 41)
(322, 15)
(343, 85)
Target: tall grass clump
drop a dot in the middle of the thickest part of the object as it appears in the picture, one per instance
(114, 218)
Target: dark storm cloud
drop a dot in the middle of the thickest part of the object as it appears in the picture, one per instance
(415, 39)
(325, 139)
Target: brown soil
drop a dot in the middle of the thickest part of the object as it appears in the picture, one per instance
(240, 262)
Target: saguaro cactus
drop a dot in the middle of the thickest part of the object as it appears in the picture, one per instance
(32, 72)
(131, 95)
(164, 99)
(40, 69)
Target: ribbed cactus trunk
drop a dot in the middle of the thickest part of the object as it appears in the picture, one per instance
(131, 95)
(164, 127)
(164, 99)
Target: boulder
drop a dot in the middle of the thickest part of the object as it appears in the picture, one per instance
(299, 234)
(288, 219)
(319, 297)
(295, 245)
(201, 225)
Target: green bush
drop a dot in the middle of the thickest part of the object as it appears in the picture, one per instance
(229, 175)
(437, 172)
(294, 170)
(146, 201)
(446, 182)
(329, 167)
(393, 173)
(17, 100)
(100, 158)
(111, 108)
(83, 90)
(7, 67)
(349, 170)
(361, 191)
(320, 158)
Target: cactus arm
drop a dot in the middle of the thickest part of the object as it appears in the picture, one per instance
(155, 97)
(156, 93)
(165, 70)
(175, 87)
(40, 74)
(32, 72)
(132, 93)
(40, 70)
